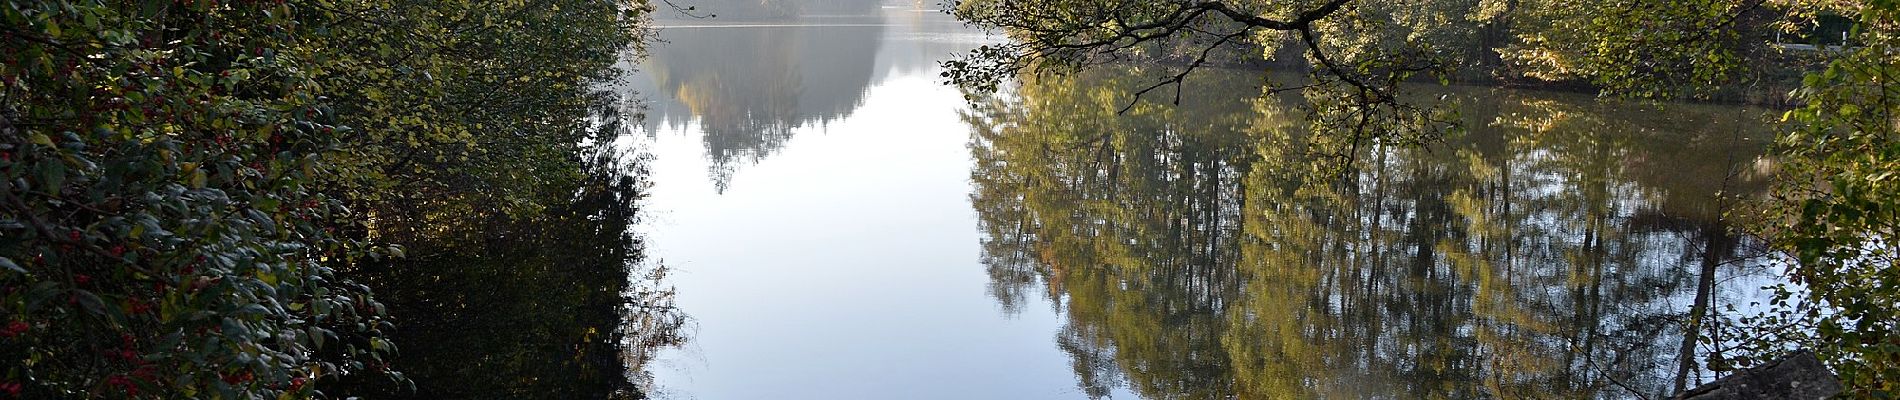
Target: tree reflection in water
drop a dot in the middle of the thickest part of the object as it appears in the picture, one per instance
(1554, 247)
(768, 82)
(557, 307)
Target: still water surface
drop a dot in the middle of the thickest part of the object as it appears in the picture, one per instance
(841, 225)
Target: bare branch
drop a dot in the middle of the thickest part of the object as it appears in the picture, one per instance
(1178, 78)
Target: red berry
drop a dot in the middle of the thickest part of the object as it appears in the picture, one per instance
(124, 383)
(82, 279)
(15, 328)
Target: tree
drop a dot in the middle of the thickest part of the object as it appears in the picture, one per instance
(1360, 51)
(193, 190)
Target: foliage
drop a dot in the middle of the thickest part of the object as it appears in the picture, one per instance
(1355, 76)
(469, 110)
(1357, 54)
(1642, 49)
(190, 186)
(166, 228)
(1835, 212)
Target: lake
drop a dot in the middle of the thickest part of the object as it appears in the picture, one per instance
(841, 224)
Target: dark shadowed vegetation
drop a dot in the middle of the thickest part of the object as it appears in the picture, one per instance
(245, 200)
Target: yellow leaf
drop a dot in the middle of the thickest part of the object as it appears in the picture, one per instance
(197, 179)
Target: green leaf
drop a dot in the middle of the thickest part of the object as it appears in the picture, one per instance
(90, 301)
(316, 336)
(53, 174)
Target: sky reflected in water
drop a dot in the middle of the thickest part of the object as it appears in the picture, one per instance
(820, 233)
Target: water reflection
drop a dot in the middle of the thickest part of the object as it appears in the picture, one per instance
(839, 266)
(762, 83)
(555, 307)
(1551, 251)
(765, 10)
(749, 87)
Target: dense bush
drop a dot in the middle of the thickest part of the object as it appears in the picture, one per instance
(188, 185)
(1836, 211)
